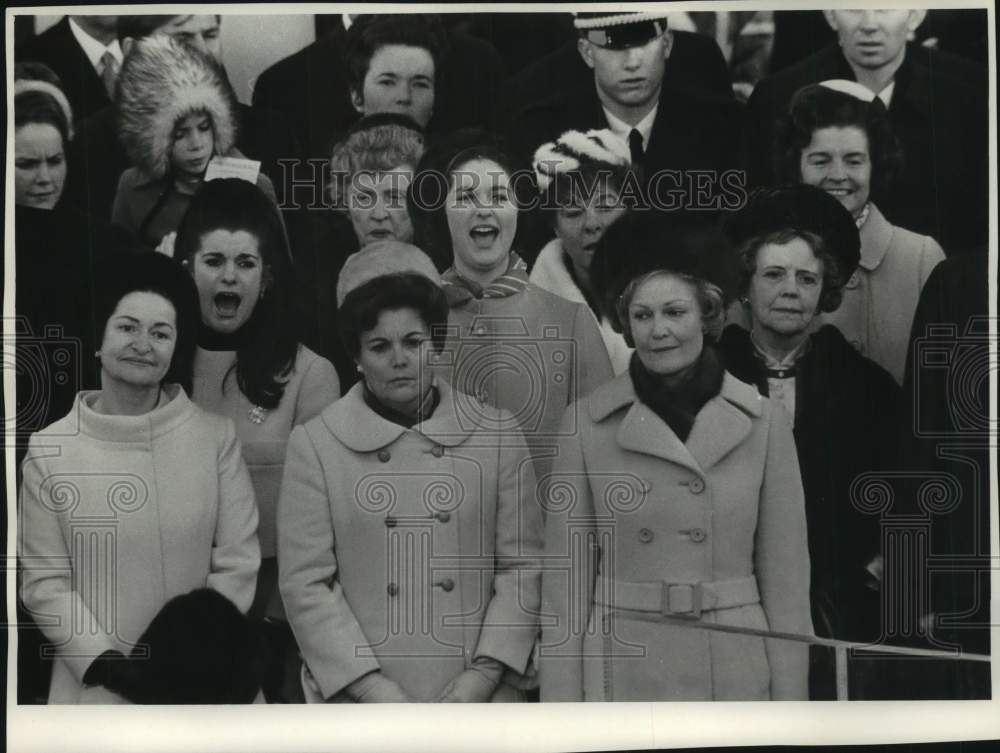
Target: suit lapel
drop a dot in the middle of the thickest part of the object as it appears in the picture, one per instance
(718, 429)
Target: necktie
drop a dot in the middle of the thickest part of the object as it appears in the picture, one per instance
(109, 73)
(635, 146)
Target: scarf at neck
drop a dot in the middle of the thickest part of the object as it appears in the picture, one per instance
(424, 411)
(459, 289)
(678, 405)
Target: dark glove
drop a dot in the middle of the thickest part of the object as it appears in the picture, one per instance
(476, 684)
(114, 671)
(375, 687)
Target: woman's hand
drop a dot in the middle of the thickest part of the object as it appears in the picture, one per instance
(375, 687)
(476, 684)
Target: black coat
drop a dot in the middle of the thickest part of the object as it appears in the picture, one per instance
(694, 131)
(846, 423)
(59, 50)
(940, 118)
(695, 62)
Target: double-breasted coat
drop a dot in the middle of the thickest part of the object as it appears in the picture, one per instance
(119, 514)
(411, 551)
(642, 527)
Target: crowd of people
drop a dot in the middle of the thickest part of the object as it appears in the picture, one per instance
(580, 372)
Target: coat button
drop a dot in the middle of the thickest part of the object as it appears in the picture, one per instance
(437, 451)
(390, 522)
(645, 535)
(447, 584)
(444, 516)
(698, 535)
(384, 456)
(696, 485)
(392, 589)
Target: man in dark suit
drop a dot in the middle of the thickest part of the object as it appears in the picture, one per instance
(84, 52)
(937, 114)
(686, 140)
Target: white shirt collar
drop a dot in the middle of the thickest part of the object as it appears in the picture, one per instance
(886, 94)
(622, 129)
(347, 21)
(93, 49)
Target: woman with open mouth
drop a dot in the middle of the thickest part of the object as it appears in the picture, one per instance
(796, 248)
(134, 497)
(580, 177)
(176, 111)
(675, 504)
(251, 367)
(836, 135)
(512, 344)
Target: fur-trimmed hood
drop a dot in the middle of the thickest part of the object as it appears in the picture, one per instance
(161, 81)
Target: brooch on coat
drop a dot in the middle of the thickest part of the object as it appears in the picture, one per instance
(257, 414)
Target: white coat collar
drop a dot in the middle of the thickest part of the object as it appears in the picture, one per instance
(551, 274)
(876, 236)
(721, 425)
(363, 430)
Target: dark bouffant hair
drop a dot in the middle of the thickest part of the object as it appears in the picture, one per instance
(149, 272)
(40, 106)
(369, 31)
(362, 307)
(264, 360)
(815, 107)
(427, 197)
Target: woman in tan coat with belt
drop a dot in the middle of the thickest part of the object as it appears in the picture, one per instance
(676, 503)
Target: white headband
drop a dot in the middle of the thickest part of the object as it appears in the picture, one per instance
(33, 85)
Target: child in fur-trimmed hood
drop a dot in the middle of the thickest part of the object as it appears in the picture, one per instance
(175, 111)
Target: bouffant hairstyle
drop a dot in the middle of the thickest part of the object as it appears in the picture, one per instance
(39, 98)
(362, 307)
(149, 272)
(427, 198)
(833, 278)
(376, 143)
(369, 32)
(263, 360)
(815, 107)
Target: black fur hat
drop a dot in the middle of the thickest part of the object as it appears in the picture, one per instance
(199, 649)
(802, 208)
(640, 242)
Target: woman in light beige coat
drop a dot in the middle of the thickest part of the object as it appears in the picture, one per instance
(408, 536)
(675, 502)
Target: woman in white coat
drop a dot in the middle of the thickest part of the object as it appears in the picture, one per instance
(676, 502)
(137, 495)
(408, 536)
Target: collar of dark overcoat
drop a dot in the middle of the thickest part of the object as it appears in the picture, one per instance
(363, 430)
(721, 425)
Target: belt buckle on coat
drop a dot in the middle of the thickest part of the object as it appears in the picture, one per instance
(672, 595)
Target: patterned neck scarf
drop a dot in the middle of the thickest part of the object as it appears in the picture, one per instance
(460, 289)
